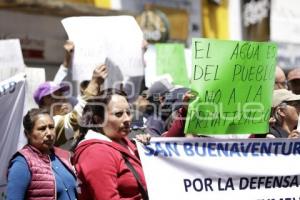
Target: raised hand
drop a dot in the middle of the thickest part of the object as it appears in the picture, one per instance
(69, 49)
(188, 96)
(100, 73)
(143, 138)
(294, 134)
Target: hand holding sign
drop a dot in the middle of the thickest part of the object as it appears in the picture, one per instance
(69, 49)
(100, 73)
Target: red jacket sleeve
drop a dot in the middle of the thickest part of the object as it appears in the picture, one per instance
(99, 168)
(177, 128)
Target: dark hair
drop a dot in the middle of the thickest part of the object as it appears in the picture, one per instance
(83, 85)
(30, 118)
(95, 107)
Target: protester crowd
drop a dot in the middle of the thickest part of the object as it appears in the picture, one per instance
(83, 148)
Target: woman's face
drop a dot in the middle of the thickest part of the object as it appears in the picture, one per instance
(118, 119)
(42, 135)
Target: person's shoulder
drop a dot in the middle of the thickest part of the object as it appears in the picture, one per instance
(18, 158)
(61, 152)
(18, 162)
(58, 119)
(96, 152)
(94, 146)
(278, 132)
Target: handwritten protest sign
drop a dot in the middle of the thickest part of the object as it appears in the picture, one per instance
(234, 81)
(11, 58)
(98, 39)
(34, 77)
(171, 60)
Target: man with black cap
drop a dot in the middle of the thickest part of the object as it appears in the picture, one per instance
(286, 109)
(156, 95)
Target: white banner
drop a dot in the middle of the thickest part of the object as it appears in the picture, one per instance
(98, 39)
(285, 21)
(210, 169)
(12, 97)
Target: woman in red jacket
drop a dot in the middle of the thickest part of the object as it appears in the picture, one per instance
(106, 161)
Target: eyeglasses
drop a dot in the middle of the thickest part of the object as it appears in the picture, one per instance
(281, 82)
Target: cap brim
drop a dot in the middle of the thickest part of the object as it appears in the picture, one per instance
(293, 78)
(294, 98)
(62, 88)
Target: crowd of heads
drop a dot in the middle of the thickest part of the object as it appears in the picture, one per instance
(159, 104)
(162, 101)
(286, 102)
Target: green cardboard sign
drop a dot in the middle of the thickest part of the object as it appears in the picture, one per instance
(170, 59)
(234, 82)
